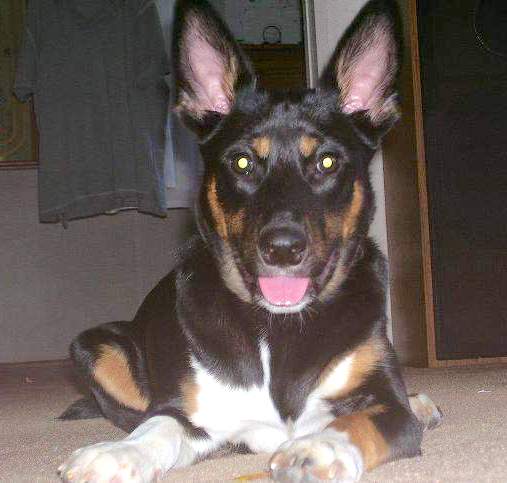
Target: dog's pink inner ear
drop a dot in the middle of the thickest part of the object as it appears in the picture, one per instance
(364, 89)
(365, 72)
(207, 76)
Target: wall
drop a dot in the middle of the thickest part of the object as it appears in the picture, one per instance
(248, 18)
(55, 282)
(332, 17)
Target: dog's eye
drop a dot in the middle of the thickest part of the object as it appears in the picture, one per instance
(327, 164)
(242, 164)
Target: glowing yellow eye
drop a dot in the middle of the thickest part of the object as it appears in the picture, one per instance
(328, 162)
(242, 163)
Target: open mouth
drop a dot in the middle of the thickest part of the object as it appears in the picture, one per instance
(284, 291)
(290, 292)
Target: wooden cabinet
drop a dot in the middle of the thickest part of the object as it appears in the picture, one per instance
(446, 188)
(279, 66)
(18, 137)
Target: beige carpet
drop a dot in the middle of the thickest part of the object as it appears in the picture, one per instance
(471, 445)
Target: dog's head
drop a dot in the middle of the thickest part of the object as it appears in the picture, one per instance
(286, 198)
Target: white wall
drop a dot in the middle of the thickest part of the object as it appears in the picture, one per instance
(248, 19)
(54, 283)
(332, 17)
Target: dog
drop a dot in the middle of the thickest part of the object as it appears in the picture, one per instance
(270, 333)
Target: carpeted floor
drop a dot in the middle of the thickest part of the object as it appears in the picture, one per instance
(471, 445)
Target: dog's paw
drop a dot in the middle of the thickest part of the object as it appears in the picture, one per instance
(326, 456)
(426, 411)
(118, 462)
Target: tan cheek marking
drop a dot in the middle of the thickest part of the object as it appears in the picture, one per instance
(112, 372)
(365, 360)
(363, 432)
(349, 224)
(337, 278)
(232, 277)
(307, 145)
(237, 222)
(317, 239)
(332, 226)
(216, 209)
(262, 146)
(190, 392)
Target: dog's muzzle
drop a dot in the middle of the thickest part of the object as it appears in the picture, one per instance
(282, 249)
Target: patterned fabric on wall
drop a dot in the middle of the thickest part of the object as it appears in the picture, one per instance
(17, 134)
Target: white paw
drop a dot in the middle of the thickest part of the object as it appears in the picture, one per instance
(426, 411)
(112, 462)
(326, 456)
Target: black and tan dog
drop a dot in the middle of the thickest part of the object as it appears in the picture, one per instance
(271, 331)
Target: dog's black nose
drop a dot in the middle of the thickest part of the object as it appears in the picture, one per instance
(282, 246)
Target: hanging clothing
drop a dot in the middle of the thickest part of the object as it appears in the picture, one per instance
(96, 70)
(183, 162)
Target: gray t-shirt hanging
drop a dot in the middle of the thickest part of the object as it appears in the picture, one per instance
(95, 69)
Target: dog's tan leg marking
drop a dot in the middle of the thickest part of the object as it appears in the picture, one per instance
(349, 223)
(363, 433)
(216, 209)
(112, 372)
(262, 146)
(363, 361)
(190, 392)
(426, 411)
(307, 145)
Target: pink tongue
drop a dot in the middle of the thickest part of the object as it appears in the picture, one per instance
(283, 290)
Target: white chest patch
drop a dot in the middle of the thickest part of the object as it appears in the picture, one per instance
(249, 415)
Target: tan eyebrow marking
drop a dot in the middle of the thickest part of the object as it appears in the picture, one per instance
(307, 145)
(351, 218)
(262, 146)
(216, 209)
(364, 433)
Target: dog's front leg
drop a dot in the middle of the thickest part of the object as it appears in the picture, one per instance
(150, 450)
(349, 445)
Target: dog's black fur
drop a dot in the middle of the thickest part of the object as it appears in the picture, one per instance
(271, 204)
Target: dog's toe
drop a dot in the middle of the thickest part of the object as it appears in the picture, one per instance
(323, 457)
(116, 462)
(426, 411)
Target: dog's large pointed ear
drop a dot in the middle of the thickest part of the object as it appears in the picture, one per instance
(365, 65)
(209, 66)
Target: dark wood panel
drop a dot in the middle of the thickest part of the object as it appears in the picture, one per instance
(18, 138)
(403, 212)
(465, 114)
(280, 66)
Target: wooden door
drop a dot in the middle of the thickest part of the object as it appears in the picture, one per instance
(463, 68)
